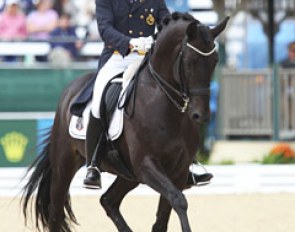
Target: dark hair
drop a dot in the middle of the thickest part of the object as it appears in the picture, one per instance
(66, 15)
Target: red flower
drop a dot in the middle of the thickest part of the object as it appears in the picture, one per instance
(283, 149)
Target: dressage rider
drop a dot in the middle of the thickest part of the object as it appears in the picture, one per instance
(126, 27)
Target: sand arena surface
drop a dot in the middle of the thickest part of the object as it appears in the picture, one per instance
(207, 213)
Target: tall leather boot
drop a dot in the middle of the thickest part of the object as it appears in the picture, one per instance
(94, 137)
(195, 179)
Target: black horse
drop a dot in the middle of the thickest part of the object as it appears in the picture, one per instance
(158, 142)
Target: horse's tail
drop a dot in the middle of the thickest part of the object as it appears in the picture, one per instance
(40, 179)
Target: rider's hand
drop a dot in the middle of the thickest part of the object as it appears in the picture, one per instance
(148, 41)
(141, 44)
(137, 44)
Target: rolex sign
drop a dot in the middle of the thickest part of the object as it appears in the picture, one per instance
(17, 142)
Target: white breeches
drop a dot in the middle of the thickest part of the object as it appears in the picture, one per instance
(115, 65)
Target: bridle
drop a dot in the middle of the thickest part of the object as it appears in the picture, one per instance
(184, 91)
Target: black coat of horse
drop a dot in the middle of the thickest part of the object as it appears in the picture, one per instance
(158, 143)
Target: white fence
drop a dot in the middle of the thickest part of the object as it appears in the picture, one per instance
(26, 48)
(286, 79)
(257, 103)
(244, 178)
(246, 102)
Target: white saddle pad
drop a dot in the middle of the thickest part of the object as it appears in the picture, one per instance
(78, 126)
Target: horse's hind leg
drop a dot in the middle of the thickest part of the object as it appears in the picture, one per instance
(112, 199)
(153, 176)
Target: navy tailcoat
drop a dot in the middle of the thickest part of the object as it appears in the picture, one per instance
(118, 21)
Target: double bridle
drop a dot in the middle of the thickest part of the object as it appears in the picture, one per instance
(184, 91)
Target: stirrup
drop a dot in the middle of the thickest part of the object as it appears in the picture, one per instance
(200, 184)
(203, 183)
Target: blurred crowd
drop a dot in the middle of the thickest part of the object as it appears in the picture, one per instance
(65, 24)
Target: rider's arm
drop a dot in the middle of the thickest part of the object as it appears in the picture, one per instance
(105, 21)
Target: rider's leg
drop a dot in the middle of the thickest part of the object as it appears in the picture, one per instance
(95, 131)
(94, 136)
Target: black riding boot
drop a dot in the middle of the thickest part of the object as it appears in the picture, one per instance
(94, 137)
(198, 179)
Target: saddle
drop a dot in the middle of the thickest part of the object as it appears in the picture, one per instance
(114, 98)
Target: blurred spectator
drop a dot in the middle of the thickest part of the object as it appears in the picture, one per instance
(86, 12)
(2, 5)
(287, 87)
(64, 39)
(12, 24)
(289, 62)
(212, 126)
(68, 7)
(85, 18)
(27, 5)
(42, 21)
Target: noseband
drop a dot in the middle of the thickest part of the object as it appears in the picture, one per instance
(184, 92)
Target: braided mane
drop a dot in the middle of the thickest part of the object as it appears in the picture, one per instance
(176, 16)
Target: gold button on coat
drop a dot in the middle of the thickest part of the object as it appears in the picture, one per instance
(140, 33)
(130, 31)
(141, 17)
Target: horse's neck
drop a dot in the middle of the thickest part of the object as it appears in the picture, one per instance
(167, 49)
(163, 61)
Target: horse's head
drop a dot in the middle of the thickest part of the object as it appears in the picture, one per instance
(199, 61)
(193, 57)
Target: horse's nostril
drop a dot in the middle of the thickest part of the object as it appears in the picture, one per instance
(196, 116)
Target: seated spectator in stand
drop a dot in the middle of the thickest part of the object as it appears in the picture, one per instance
(41, 22)
(12, 24)
(64, 40)
(289, 62)
(27, 5)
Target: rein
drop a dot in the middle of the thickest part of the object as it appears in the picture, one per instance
(164, 85)
(184, 92)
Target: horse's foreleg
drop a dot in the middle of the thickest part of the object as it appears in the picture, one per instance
(112, 199)
(153, 176)
(163, 215)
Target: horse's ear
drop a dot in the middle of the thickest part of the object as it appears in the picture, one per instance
(192, 31)
(220, 27)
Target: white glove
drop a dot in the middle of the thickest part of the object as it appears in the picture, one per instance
(148, 41)
(141, 44)
(137, 44)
